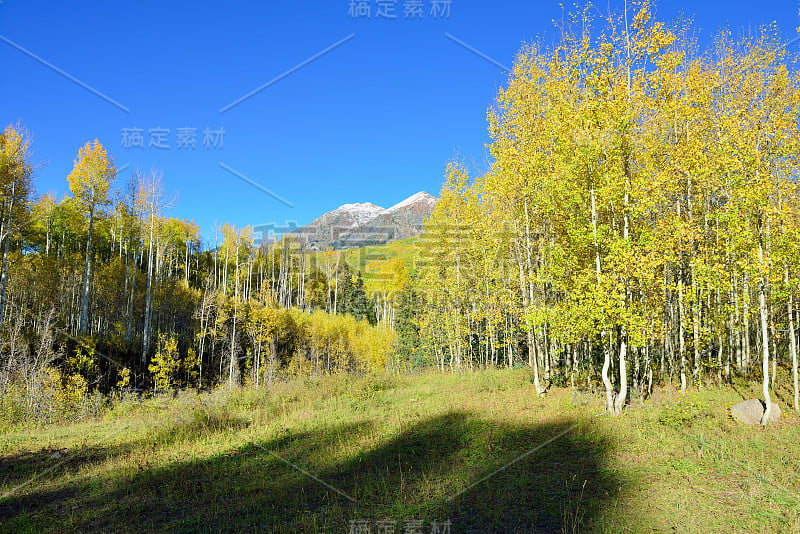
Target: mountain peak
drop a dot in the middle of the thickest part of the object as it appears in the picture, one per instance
(359, 206)
(417, 198)
(363, 223)
(360, 212)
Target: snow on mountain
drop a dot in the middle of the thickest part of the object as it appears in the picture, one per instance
(364, 223)
(422, 198)
(360, 213)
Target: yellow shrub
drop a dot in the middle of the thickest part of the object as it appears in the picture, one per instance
(124, 378)
(165, 363)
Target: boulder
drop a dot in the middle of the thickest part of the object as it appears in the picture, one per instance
(751, 411)
(775, 414)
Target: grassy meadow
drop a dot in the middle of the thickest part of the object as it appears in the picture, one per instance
(341, 454)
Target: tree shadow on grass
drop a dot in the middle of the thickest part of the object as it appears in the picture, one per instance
(18, 468)
(455, 467)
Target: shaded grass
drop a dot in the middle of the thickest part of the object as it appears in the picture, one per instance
(402, 448)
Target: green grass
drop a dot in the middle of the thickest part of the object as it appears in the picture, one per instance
(405, 448)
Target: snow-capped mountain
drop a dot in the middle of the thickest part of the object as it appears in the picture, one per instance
(421, 199)
(357, 225)
(352, 215)
(404, 219)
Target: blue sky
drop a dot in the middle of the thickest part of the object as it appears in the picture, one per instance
(375, 119)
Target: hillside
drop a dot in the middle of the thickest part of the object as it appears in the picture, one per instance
(477, 449)
(374, 260)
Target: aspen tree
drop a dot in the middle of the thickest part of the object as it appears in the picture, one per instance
(89, 183)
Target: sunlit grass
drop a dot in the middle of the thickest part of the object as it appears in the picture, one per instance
(402, 447)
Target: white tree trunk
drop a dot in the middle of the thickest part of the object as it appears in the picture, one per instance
(792, 342)
(623, 374)
(762, 308)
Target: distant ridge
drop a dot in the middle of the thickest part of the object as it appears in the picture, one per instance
(361, 224)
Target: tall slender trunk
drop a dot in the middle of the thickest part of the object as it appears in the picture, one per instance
(606, 356)
(792, 340)
(86, 276)
(533, 344)
(623, 374)
(721, 339)
(216, 270)
(606, 381)
(536, 379)
(623, 335)
(336, 285)
(695, 329)
(233, 330)
(186, 264)
(49, 232)
(131, 300)
(532, 361)
(762, 308)
(746, 320)
(225, 272)
(148, 296)
(735, 328)
(7, 238)
(200, 355)
(681, 332)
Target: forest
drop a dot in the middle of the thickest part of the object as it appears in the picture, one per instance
(102, 292)
(640, 217)
(638, 226)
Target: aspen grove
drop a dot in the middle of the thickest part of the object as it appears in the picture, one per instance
(639, 223)
(103, 293)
